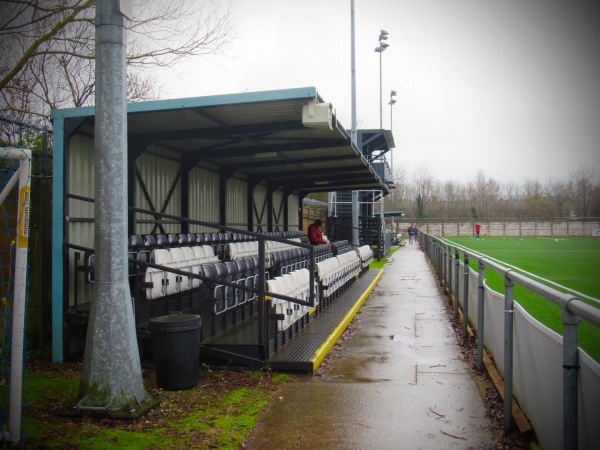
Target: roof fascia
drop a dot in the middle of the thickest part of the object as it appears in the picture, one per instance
(196, 102)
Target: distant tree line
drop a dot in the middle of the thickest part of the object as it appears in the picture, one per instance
(420, 195)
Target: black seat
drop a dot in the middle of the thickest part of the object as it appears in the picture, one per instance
(246, 277)
(150, 241)
(251, 264)
(162, 240)
(183, 238)
(209, 271)
(221, 292)
(137, 248)
(136, 241)
(232, 269)
(275, 263)
(172, 239)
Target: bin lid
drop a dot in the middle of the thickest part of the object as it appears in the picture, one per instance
(174, 321)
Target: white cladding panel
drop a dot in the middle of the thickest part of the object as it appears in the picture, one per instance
(204, 198)
(260, 196)
(80, 181)
(163, 185)
(277, 211)
(237, 203)
(293, 210)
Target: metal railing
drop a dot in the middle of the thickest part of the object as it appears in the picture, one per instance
(445, 258)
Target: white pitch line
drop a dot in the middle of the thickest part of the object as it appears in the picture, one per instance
(533, 275)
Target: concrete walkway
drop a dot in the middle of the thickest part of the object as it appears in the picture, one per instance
(397, 382)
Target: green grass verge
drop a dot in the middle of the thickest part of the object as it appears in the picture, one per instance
(378, 264)
(570, 262)
(219, 413)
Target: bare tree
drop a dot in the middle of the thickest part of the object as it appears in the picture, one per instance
(47, 49)
(509, 200)
(556, 192)
(454, 198)
(423, 186)
(400, 189)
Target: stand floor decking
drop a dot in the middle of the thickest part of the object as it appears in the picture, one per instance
(306, 351)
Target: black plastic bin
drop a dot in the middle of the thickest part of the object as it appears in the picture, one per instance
(176, 348)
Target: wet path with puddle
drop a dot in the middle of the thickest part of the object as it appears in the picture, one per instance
(397, 381)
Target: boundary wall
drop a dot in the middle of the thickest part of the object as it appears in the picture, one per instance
(505, 227)
(556, 383)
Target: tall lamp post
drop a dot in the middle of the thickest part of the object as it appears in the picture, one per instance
(383, 35)
(391, 103)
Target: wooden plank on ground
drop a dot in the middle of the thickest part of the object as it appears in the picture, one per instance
(518, 416)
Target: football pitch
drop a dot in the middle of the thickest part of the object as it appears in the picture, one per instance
(567, 264)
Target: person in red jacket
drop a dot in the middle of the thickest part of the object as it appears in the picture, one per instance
(477, 229)
(315, 235)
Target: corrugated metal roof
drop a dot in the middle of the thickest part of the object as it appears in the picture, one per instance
(259, 134)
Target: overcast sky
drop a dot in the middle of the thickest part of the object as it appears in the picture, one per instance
(510, 87)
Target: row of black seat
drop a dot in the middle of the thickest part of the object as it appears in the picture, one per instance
(143, 244)
(137, 241)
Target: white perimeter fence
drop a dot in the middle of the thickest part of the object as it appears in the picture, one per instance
(556, 383)
(506, 227)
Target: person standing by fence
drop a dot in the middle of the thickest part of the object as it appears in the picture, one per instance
(411, 234)
(477, 229)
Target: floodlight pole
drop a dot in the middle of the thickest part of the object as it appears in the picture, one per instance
(111, 379)
(353, 133)
(383, 35)
(391, 103)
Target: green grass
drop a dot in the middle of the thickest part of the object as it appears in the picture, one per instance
(571, 262)
(219, 413)
(378, 264)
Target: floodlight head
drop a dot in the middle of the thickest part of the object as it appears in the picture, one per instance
(383, 34)
(384, 45)
(393, 94)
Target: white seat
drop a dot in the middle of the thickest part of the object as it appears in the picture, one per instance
(209, 253)
(276, 286)
(163, 283)
(177, 254)
(191, 263)
(199, 252)
(188, 253)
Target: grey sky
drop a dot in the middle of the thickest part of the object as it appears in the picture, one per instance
(510, 87)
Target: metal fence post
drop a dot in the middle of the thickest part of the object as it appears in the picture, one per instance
(439, 263)
(508, 350)
(449, 272)
(570, 378)
(443, 255)
(466, 296)
(263, 323)
(449, 276)
(456, 279)
(480, 310)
